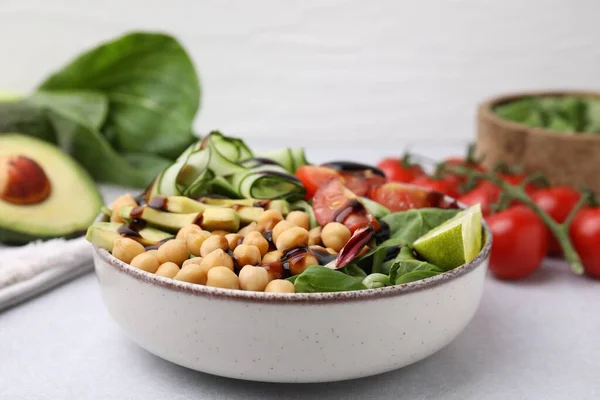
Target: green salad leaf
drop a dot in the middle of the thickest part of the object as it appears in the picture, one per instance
(124, 109)
(564, 114)
(407, 268)
(321, 279)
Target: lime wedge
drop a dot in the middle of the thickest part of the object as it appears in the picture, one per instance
(453, 243)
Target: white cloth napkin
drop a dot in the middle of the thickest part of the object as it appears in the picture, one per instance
(32, 269)
(29, 270)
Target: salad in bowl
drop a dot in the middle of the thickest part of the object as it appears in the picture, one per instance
(268, 268)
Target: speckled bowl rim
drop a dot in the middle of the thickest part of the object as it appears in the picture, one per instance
(486, 111)
(298, 298)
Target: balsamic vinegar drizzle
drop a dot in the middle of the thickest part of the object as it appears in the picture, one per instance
(353, 167)
(158, 203)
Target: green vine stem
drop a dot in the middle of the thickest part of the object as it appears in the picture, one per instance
(560, 231)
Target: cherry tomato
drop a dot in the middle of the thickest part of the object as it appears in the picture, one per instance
(520, 242)
(334, 202)
(397, 170)
(448, 184)
(485, 193)
(398, 196)
(558, 202)
(312, 177)
(585, 234)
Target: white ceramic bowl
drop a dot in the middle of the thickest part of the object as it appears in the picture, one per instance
(277, 337)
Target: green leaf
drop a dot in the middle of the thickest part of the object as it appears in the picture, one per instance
(75, 117)
(517, 111)
(318, 279)
(406, 263)
(408, 226)
(415, 276)
(26, 118)
(593, 116)
(151, 86)
(354, 271)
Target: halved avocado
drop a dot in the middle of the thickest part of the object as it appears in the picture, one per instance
(44, 193)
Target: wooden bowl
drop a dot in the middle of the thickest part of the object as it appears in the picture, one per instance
(564, 159)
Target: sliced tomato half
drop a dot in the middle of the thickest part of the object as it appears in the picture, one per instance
(333, 202)
(398, 196)
(312, 177)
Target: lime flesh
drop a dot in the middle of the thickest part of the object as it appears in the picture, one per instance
(453, 243)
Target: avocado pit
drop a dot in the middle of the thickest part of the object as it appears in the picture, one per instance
(23, 181)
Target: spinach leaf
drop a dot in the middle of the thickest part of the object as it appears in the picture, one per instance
(376, 280)
(124, 110)
(415, 276)
(75, 117)
(320, 279)
(374, 208)
(151, 86)
(406, 263)
(408, 226)
(354, 271)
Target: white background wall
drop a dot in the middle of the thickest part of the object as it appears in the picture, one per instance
(319, 71)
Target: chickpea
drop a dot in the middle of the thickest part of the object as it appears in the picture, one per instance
(183, 232)
(314, 236)
(251, 227)
(257, 239)
(193, 260)
(222, 277)
(168, 270)
(174, 250)
(126, 249)
(298, 266)
(121, 201)
(335, 235)
(331, 251)
(299, 218)
(253, 278)
(268, 220)
(217, 258)
(234, 240)
(272, 256)
(195, 239)
(193, 273)
(280, 286)
(279, 228)
(247, 254)
(220, 232)
(146, 261)
(153, 251)
(213, 243)
(292, 238)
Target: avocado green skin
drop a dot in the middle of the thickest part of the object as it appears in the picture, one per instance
(18, 238)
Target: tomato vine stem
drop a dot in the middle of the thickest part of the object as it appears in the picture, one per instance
(517, 192)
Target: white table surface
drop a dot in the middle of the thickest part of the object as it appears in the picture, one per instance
(535, 339)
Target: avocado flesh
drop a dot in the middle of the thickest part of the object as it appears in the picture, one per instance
(249, 214)
(74, 200)
(161, 219)
(221, 218)
(183, 205)
(280, 205)
(104, 234)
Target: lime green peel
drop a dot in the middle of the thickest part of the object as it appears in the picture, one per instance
(455, 242)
